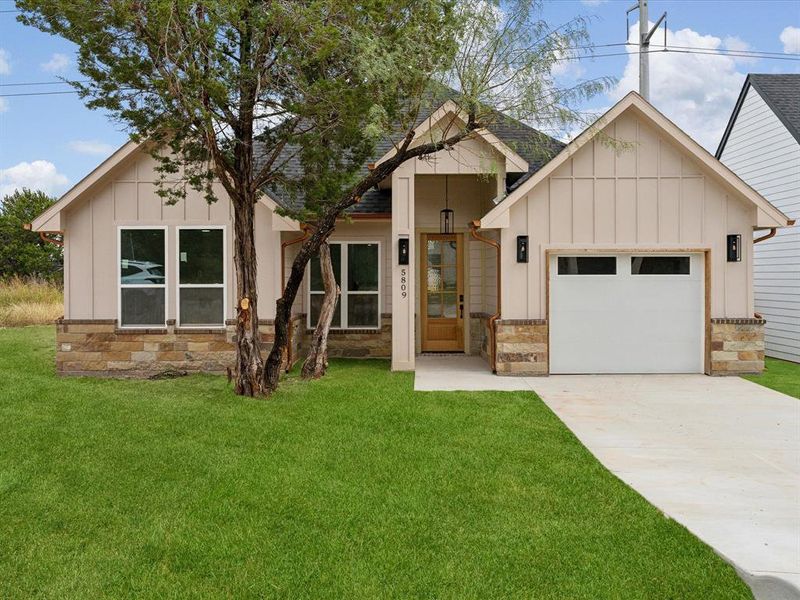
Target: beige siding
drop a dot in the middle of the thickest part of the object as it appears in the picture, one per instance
(468, 195)
(128, 197)
(650, 195)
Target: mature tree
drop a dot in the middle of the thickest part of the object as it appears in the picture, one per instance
(501, 69)
(23, 253)
(201, 79)
(233, 90)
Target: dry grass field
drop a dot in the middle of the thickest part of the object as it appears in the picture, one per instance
(29, 302)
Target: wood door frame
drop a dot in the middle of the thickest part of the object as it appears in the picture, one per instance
(423, 289)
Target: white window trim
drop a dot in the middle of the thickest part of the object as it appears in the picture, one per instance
(344, 326)
(121, 286)
(179, 285)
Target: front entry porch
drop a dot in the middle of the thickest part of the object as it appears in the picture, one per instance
(443, 296)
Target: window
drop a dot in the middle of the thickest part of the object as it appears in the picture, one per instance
(659, 265)
(357, 264)
(201, 276)
(587, 265)
(142, 277)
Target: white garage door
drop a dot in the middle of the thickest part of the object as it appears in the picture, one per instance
(626, 313)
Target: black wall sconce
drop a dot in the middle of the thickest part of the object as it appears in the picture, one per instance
(402, 251)
(522, 248)
(734, 247)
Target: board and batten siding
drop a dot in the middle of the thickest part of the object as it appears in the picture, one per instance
(765, 154)
(648, 195)
(128, 198)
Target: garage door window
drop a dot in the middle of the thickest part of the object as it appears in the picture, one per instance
(660, 265)
(587, 265)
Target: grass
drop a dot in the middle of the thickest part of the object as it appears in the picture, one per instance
(780, 375)
(29, 302)
(353, 486)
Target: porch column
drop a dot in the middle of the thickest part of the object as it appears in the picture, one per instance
(403, 276)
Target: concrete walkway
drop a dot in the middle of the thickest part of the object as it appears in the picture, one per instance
(719, 455)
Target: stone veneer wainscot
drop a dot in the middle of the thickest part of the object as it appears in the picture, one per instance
(100, 348)
(737, 346)
(522, 347)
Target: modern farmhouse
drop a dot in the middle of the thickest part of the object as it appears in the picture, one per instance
(635, 257)
(761, 144)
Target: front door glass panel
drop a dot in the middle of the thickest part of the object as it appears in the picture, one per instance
(442, 278)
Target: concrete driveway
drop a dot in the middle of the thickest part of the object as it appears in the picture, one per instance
(719, 455)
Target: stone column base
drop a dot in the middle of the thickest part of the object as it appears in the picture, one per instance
(737, 346)
(522, 347)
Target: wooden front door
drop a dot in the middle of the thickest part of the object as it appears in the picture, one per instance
(442, 292)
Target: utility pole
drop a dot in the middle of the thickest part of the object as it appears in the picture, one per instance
(644, 44)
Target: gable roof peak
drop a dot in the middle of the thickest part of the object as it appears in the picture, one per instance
(498, 216)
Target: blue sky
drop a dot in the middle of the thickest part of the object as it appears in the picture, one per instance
(50, 142)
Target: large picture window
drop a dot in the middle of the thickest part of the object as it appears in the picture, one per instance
(356, 266)
(142, 277)
(201, 277)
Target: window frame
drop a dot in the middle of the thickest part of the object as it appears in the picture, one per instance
(121, 286)
(179, 285)
(343, 297)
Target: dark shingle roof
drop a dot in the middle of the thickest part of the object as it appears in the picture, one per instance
(781, 92)
(534, 146)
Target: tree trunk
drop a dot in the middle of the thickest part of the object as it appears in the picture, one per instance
(324, 226)
(317, 360)
(249, 364)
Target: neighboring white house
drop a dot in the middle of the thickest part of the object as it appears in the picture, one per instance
(761, 144)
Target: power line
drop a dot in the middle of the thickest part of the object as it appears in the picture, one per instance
(668, 49)
(42, 83)
(38, 94)
(680, 50)
(731, 50)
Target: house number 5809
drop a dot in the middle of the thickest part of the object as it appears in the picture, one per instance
(403, 285)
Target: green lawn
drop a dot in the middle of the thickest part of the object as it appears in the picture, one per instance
(780, 375)
(351, 487)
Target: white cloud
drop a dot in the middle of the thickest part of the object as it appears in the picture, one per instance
(790, 38)
(5, 62)
(3, 105)
(696, 91)
(91, 147)
(37, 175)
(58, 63)
(737, 44)
(593, 2)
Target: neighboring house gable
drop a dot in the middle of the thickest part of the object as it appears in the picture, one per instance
(762, 145)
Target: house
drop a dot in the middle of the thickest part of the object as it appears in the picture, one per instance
(761, 144)
(636, 258)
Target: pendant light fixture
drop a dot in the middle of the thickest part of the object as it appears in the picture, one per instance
(446, 216)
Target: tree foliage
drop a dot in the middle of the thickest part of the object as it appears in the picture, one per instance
(240, 92)
(23, 253)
